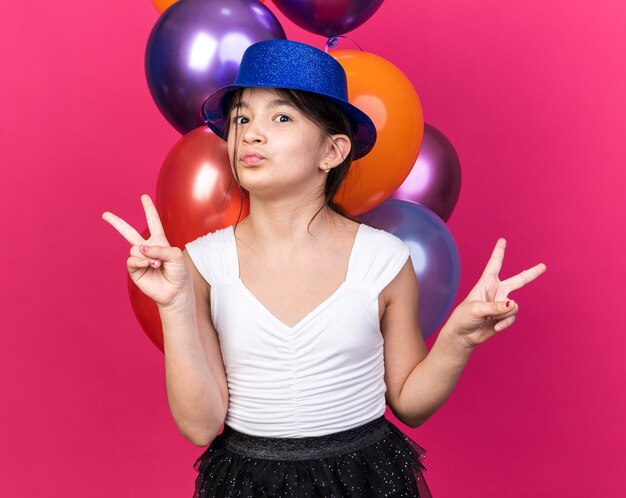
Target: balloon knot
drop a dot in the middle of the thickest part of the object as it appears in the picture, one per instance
(331, 42)
(334, 40)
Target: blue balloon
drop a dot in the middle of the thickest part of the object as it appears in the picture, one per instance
(196, 47)
(433, 251)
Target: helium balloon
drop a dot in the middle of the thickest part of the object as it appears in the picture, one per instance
(386, 95)
(145, 309)
(196, 190)
(434, 255)
(196, 47)
(435, 180)
(162, 5)
(328, 17)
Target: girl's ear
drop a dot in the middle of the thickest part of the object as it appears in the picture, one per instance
(338, 148)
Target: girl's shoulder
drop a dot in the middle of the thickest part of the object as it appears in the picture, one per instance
(213, 256)
(380, 257)
(209, 236)
(382, 240)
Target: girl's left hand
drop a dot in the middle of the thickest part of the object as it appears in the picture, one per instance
(484, 311)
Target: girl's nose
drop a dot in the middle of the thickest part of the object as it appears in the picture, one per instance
(251, 133)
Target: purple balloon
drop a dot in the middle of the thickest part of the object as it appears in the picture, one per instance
(435, 180)
(328, 17)
(196, 47)
(434, 255)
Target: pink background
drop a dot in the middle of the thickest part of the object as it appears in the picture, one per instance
(532, 96)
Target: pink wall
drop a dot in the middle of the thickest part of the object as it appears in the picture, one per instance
(532, 96)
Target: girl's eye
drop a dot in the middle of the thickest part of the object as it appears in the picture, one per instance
(282, 118)
(240, 120)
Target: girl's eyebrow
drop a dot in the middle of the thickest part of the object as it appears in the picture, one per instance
(273, 103)
(279, 102)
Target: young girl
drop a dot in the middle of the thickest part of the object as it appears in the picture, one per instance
(295, 328)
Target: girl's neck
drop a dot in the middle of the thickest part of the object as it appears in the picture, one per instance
(288, 221)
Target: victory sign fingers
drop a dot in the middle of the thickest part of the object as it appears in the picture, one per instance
(139, 258)
(128, 232)
(525, 277)
(494, 265)
(152, 217)
(157, 268)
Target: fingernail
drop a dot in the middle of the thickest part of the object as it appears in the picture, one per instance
(508, 303)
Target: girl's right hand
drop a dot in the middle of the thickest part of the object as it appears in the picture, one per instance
(158, 269)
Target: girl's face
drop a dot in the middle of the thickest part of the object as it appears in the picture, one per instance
(275, 148)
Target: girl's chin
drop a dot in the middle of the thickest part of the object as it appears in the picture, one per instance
(269, 190)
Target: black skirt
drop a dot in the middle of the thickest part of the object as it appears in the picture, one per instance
(374, 460)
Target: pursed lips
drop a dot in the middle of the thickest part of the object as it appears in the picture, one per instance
(251, 158)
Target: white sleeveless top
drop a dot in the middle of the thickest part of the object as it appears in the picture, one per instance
(326, 373)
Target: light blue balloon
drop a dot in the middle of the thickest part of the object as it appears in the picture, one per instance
(434, 255)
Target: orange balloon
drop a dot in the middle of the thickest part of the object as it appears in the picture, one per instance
(386, 95)
(196, 190)
(162, 5)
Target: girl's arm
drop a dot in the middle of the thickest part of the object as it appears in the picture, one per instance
(194, 370)
(419, 382)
